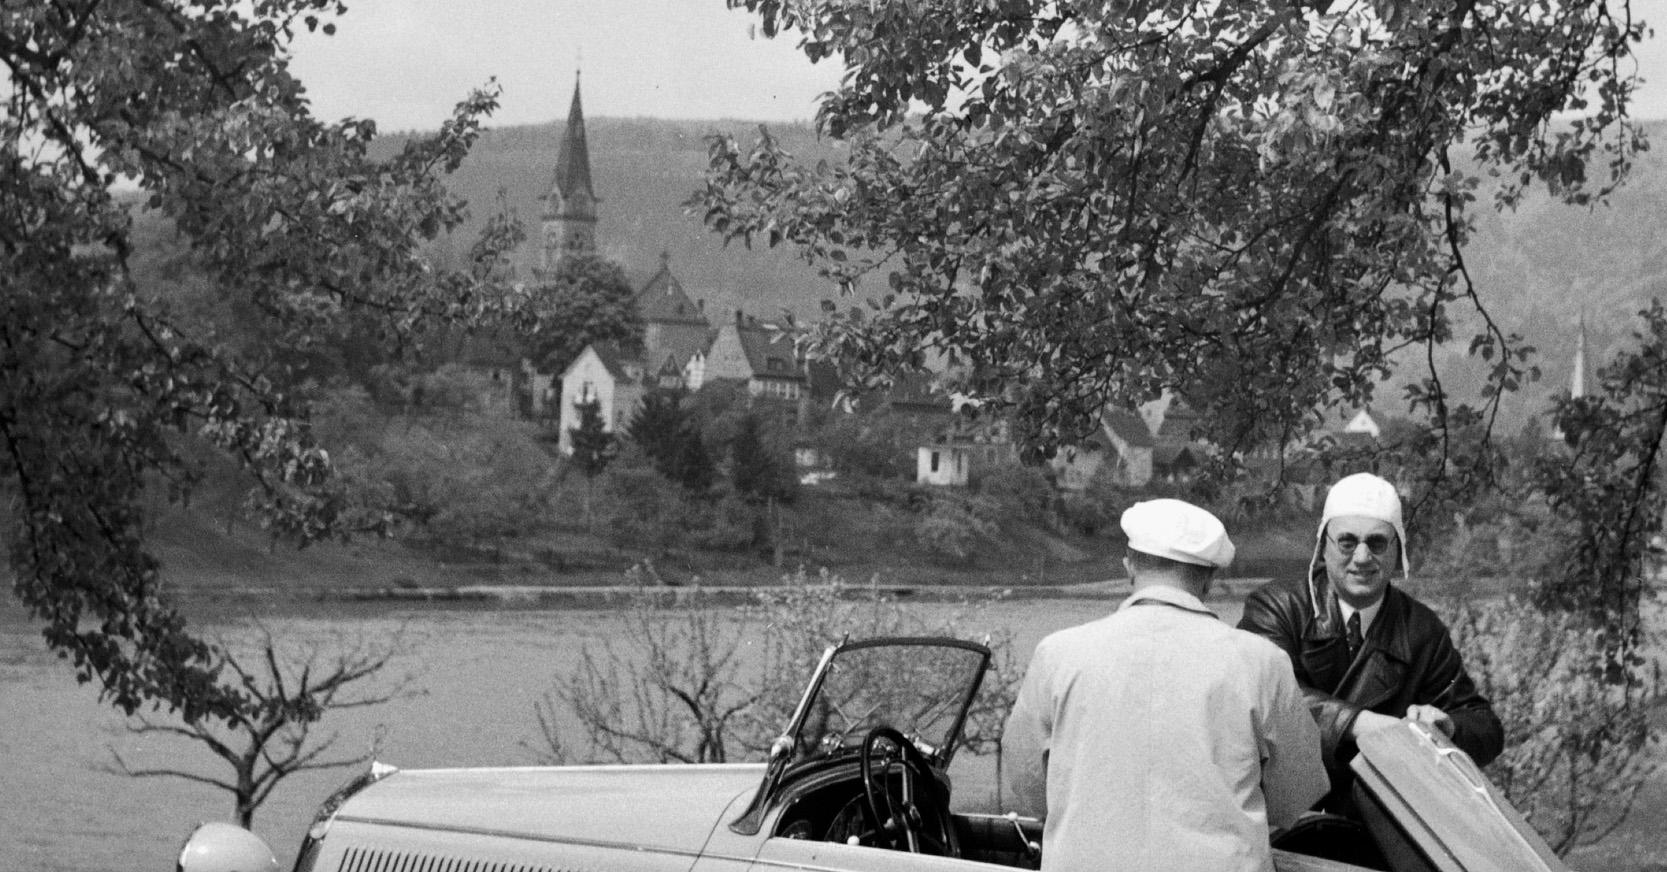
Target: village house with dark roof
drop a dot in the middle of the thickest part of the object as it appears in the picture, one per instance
(1176, 454)
(759, 355)
(762, 356)
(675, 328)
(917, 398)
(676, 338)
(1120, 451)
(614, 381)
(965, 447)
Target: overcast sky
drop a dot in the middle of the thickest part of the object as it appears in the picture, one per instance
(405, 63)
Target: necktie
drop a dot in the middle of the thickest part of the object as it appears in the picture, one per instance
(1354, 637)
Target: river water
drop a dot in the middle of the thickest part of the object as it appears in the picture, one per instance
(480, 671)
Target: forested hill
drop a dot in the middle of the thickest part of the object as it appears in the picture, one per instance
(643, 170)
(1546, 264)
(1539, 267)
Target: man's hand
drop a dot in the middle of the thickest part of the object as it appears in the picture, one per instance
(1370, 722)
(1429, 714)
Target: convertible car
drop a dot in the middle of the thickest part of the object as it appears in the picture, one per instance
(859, 780)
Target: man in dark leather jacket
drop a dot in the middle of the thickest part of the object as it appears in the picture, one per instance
(1396, 661)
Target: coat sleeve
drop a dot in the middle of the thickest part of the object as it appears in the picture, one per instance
(1293, 774)
(1277, 615)
(1446, 685)
(1025, 740)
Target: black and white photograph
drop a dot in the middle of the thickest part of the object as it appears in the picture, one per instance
(833, 435)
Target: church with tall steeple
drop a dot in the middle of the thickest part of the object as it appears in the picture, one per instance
(677, 337)
(567, 224)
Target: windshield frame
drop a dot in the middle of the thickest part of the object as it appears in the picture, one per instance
(788, 749)
(941, 755)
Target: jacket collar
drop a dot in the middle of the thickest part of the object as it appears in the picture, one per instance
(1170, 596)
(1323, 600)
(1385, 633)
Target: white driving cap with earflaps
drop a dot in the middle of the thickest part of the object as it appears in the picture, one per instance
(1178, 531)
(1364, 495)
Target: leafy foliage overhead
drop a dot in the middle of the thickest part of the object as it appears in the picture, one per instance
(104, 384)
(1255, 204)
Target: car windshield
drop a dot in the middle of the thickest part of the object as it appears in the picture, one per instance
(920, 687)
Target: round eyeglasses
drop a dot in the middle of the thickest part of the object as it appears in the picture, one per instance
(1377, 543)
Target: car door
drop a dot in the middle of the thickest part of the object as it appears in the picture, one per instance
(1432, 810)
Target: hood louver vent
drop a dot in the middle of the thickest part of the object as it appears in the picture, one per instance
(370, 860)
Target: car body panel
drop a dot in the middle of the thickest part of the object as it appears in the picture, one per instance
(354, 846)
(810, 855)
(665, 808)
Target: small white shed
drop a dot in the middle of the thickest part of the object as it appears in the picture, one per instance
(945, 465)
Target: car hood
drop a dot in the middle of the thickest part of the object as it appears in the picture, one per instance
(674, 807)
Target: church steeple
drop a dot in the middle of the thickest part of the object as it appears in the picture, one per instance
(1577, 379)
(1578, 386)
(569, 218)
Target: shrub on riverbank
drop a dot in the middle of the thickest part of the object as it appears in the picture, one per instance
(1578, 742)
(700, 680)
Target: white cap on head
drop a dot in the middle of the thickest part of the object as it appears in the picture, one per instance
(1179, 531)
(1367, 496)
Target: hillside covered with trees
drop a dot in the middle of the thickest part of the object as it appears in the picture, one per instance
(645, 170)
(1543, 265)
(489, 499)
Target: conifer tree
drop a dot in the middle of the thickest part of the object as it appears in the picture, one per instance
(593, 448)
(665, 430)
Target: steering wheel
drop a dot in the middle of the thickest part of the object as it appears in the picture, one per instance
(911, 817)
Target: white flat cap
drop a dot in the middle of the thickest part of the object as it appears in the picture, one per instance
(1178, 531)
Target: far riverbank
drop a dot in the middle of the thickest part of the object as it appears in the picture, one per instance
(600, 595)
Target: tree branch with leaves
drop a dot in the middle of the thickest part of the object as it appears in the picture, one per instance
(1247, 205)
(186, 116)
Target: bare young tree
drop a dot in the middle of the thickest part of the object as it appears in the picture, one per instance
(274, 736)
(692, 679)
(671, 691)
(1579, 744)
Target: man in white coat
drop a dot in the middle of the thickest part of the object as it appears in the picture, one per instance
(1160, 737)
